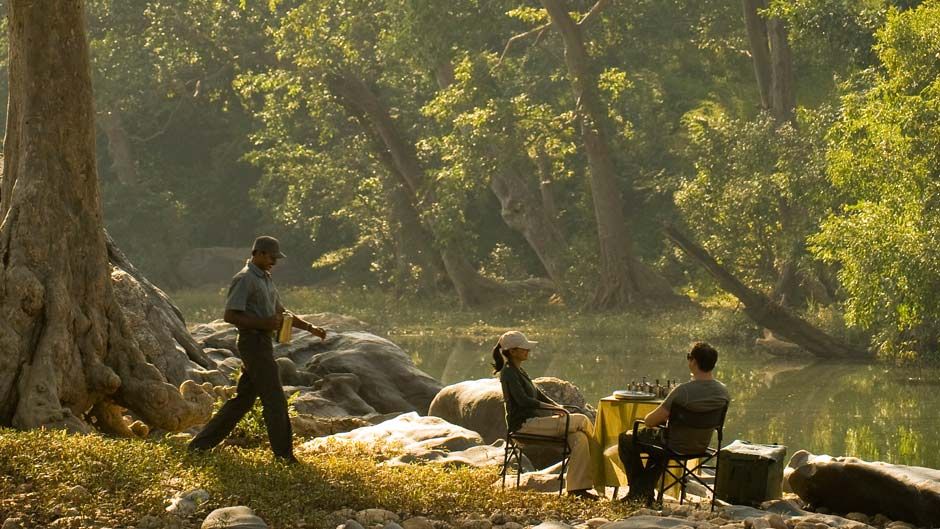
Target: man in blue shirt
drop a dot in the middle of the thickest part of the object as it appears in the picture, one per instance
(253, 306)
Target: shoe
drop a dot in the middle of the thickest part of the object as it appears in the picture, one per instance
(287, 460)
(584, 494)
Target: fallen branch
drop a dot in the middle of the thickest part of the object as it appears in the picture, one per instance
(763, 310)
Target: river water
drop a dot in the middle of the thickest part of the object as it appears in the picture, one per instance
(869, 411)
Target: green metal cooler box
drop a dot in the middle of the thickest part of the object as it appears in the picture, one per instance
(749, 473)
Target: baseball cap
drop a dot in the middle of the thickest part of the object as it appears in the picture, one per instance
(513, 339)
(269, 245)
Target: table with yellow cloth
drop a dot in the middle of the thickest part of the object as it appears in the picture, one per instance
(614, 416)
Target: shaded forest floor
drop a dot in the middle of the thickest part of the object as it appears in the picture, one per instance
(93, 481)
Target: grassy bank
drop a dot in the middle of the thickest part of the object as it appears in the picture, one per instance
(126, 480)
(718, 319)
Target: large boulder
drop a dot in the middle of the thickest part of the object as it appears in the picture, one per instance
(390, 381)
(478, 404)
(473, 404)
(848, 484)
(349, 374)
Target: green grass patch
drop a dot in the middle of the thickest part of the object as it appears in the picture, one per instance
(130, 479)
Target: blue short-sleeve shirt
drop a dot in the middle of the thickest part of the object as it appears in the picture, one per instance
(252, 291)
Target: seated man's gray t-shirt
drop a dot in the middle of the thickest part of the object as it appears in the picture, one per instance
(252, 291)
(695, 395)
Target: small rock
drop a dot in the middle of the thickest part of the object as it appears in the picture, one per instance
(476, 524)
(350, 524)
(140, 429)
(706, 525)
(805, 525)
(594, 523)
(440, 524)
(512, 525)
(899, 525)
(78, 494)
(239, 517)
(756, 523)
(677, 510)
(776, 521)
(417, 522)
(552, 524)
(732, 526)
(880, 520)
(500, 518)
(369, 517)
(392, 525)
(12, 523)
(857, 517)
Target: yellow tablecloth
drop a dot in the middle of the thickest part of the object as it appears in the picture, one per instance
(614, 416)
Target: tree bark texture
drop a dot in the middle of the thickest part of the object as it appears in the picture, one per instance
(783, 100)
(765, 311)
(521, 209)
(521, 206)
(472, 288)
(623, 279)
(773, 61)
(760, 50)
(65, 344)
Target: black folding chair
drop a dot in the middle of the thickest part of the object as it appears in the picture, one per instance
(677, 465)
(516, 441)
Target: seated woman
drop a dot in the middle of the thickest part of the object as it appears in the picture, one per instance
(528, 410)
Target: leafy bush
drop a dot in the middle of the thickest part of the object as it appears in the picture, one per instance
(884, 152)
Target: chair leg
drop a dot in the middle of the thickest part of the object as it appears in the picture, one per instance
(518, 454)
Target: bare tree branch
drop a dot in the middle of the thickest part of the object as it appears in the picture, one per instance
(601, 4)
(538, 31)
(521, 36)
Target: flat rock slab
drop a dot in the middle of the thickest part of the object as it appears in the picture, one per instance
(646, 522)
(240, 517)
(413, 433)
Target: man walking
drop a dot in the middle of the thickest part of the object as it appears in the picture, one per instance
(254, 308)
(701, 394)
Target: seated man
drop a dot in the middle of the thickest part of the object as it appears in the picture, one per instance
(702, 393)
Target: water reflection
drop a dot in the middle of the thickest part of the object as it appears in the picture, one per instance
(864, 410)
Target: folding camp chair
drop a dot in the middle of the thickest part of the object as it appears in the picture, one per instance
(677, 465)
(516, 441)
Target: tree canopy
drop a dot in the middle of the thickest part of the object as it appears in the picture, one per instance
(467, 146)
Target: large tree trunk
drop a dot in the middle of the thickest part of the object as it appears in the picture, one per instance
(65, 345)
(773, 62)
(623, 279)
(760, 51)
(521, 206)
(783, 99)
(472, 288)
(765, 311)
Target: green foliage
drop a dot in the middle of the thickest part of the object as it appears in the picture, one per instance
(884, 153)
(759, 191)
(128, 479)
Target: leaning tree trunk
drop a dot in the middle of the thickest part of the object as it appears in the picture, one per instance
(65, 345)
(765, 311)
(472, 288)
(623, 278)
(521, 206)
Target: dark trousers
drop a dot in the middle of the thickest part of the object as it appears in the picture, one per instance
(642, 478)
(259, 378)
